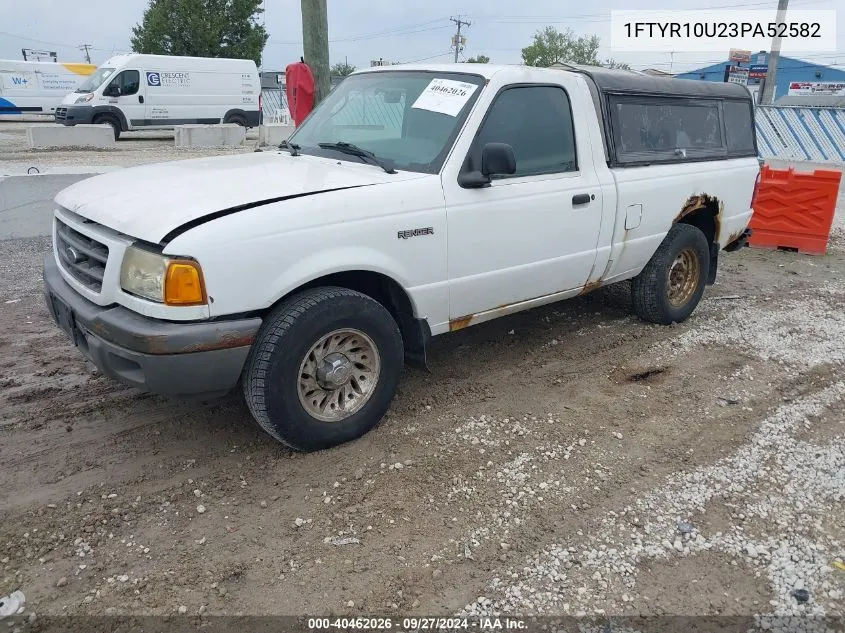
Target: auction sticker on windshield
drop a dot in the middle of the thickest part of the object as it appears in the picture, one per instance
(445, 96)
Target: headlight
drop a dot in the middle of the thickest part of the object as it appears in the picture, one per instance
(176, 282)
(85, 98)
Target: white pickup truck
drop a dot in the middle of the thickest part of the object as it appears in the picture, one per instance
(415, 200)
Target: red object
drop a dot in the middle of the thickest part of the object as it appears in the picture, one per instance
(756, 187)
(794, 210)
(299, 85)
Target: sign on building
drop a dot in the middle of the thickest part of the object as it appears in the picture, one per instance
(738, 75)
(739, 55)
(817, 88)
(32, 55)
(758, 72)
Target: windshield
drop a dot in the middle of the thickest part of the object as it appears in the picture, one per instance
(410, 118)
(95, 80)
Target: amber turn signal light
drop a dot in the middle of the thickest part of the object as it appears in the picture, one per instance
(183, 284)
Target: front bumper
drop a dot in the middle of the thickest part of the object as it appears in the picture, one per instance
(163, 357)
(74, 114)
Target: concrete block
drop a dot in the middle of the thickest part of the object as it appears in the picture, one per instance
(274, 133)
(44, 136)
(222, 135)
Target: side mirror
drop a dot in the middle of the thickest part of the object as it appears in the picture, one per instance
(496, 158)
(112, 91)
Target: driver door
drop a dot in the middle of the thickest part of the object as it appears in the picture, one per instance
(130, 98)
(533, 233)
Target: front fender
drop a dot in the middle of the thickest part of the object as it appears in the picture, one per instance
(339, 260)
(254, 257)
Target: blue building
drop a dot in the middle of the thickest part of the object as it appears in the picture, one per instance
(804, 77)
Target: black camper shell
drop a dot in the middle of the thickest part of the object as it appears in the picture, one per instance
(650, 120)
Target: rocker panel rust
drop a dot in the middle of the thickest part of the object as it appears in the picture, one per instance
(693, 203)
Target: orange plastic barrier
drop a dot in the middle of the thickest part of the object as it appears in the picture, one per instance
(794, 210)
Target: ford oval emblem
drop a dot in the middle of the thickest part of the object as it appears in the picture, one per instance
(74, 255)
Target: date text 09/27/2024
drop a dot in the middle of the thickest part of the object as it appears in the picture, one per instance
(417, 624)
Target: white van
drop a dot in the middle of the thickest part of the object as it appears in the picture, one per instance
(38, 87)
(134, 91)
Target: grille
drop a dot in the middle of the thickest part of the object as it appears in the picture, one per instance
(84, 258)
(61, 114)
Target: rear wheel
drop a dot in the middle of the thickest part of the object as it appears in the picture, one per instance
(109, 120)
(671, 285)
(237, 119)
(323, 369)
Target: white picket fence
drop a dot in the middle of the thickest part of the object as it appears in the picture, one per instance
(803, 134)
(274, 107)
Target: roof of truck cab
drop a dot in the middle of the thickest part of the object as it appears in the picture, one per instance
(606, 79)
(485, 70)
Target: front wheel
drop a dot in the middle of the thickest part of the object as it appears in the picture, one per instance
(670, 286)
(113, 122)
(324, 368)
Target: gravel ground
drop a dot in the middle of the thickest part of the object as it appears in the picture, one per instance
(571, 460)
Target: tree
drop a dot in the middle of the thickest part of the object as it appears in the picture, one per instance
(202, 28)
(479, 59)
(551, 46)
(612, 63)
(342, 69)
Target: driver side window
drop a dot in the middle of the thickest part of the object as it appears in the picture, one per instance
(128, 82)
(536, 121)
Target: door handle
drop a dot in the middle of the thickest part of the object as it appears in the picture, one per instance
(140, 98)
(581, 198)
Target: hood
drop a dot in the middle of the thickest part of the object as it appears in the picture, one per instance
(150, 201)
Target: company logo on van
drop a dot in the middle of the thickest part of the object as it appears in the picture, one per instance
(169, 79)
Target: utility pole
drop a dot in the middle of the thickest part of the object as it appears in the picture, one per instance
(460, 23)
(774, 57)
(85, 47)
(315, 38)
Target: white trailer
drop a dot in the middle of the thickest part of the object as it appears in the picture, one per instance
(38, 87)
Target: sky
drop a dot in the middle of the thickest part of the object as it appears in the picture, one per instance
(395, 30)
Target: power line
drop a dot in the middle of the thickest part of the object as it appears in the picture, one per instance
(86, 47)
(31, 39)
(397, 32)
(58, 44)
(422, 59)
(457, 43)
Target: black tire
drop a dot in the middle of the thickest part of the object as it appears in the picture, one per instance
(651, 291)
(109, 120)
(271, 380)
(237, 119)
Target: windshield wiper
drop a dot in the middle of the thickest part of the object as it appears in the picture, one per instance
(354, 150)
(293, 147)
